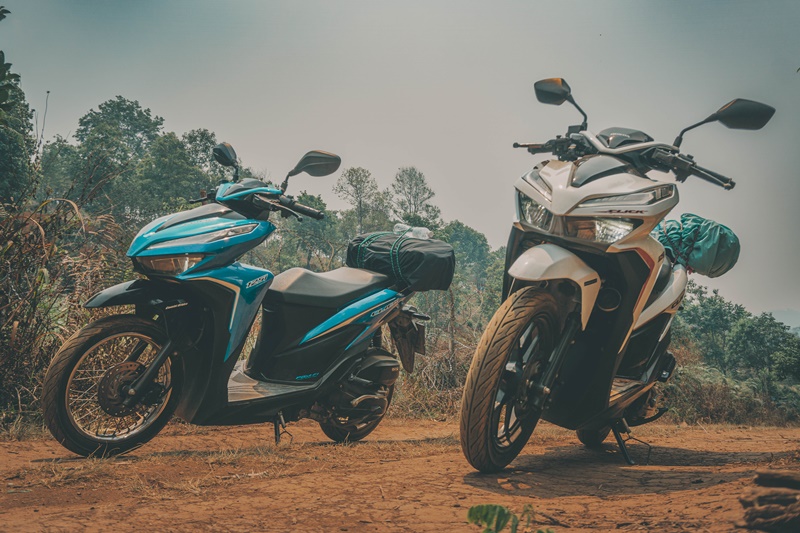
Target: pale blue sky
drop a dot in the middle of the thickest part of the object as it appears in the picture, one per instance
(447, 86)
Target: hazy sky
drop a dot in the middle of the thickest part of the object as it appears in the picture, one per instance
(447, 86)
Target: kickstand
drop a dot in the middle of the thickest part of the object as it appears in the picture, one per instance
(280, 428)
(622, 426)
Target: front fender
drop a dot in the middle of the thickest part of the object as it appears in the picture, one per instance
(136, 292)
(549, 262)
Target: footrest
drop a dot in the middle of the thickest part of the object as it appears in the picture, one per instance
(641, 421)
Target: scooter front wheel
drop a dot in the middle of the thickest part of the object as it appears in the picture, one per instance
(86, 385)
(496, 420)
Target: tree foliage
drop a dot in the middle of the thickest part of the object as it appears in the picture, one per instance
(412, 199)
(357, 186)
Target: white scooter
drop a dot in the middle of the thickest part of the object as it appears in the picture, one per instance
(589, 295)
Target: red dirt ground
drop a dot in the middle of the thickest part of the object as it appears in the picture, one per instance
(407, 476)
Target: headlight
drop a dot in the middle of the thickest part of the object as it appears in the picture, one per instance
(638, 198)
(169, 264)
(539, 184)
(204, 238)
(534, 213)
(604, 230)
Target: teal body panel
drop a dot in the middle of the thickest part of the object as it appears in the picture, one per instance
(152, 236)
(249, 284)
(367, 310)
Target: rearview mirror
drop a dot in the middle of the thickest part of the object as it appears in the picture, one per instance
(315, 163)
(225, 155)
(741, 114)
(556, 91)
(738, 114)
(553, 91)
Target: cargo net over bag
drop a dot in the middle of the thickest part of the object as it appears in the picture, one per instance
(418, 264)
(699, 244)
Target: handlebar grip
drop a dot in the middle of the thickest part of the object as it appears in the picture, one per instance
(713, 177)
(308, 211)
(292, 204)
(529, 146)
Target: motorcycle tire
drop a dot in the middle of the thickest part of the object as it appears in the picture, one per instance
(64, 415)
(480, 419)
(593, 438)
(338, 433)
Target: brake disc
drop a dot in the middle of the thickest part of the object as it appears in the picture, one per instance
(113, 388)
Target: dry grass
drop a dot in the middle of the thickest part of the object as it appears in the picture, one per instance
(52, 474)
(22, 428)
(180, 473)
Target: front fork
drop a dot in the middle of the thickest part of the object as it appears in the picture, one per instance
(141, 386)
(540, 389)
(173, 321)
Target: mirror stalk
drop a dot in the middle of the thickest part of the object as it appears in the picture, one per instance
(285, 183)
(585, 123)
(679, 138)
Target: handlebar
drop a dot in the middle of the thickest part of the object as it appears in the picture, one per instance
(565, 148)
(714, 177)
(684, 166)
(290, 203)
(533, 148)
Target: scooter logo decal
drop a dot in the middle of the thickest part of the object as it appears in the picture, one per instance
(677, 302)
(307, 376)
(379, 311)
(624, 211)
(257, 281)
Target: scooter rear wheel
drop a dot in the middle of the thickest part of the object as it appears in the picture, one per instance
(495, 423)
(354, 432)
(85, 386)
(593, 438)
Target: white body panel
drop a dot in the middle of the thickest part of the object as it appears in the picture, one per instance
(652, 253)
(670, 298)
(566, 200)
(548, 262)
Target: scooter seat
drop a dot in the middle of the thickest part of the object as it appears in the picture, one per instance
(331, 289)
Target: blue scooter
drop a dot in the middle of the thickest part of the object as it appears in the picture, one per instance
(319, 354)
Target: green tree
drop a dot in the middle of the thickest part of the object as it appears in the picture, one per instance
(16, 128)
(16, 145)
(199, 143)
(357, 186)
(316, 243)
(412, 199)
(163, 181)
(493, 288)
(471, 248)
(119, 127)
(764, 348)
(706, 320)
(61, 162)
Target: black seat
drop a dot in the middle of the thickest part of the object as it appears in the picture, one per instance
(331, 289)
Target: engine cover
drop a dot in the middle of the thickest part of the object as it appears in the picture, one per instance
(380, 369)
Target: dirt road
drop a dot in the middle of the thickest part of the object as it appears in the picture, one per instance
(408, 476)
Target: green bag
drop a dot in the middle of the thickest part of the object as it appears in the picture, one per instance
(699, 244)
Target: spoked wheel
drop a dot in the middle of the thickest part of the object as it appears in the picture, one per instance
(86, 387)
(497, 418)
(344, 430)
